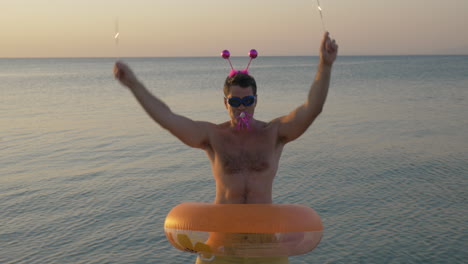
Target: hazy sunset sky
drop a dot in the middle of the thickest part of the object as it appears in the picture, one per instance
(86, 28)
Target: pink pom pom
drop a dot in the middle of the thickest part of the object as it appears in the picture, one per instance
(233, 72)
(253, 54)
(225, 54)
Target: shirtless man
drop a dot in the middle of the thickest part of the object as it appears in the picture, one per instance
(244, 162)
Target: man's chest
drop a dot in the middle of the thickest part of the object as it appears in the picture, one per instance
(237, 153)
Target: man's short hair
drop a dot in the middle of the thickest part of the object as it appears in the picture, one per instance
(241, 79)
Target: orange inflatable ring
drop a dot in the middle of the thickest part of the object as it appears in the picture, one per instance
(247, 230)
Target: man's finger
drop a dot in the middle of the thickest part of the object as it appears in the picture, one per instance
(324, 40)
(331, 46)
(116, 71)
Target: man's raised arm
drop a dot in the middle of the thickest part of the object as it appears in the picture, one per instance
(192, 133)
(296, 123)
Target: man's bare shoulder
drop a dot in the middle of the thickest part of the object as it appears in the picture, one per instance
(225, 125)
(211, 125)
(274, 126)
(273, 123)
(217, 129)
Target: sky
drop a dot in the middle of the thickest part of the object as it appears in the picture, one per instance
(168, 28)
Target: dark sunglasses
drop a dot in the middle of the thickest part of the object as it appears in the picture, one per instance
(236, 101)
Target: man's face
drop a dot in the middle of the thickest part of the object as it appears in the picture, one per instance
(237, 91)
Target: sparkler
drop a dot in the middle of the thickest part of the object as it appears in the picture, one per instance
(321, 16)
(116, 36)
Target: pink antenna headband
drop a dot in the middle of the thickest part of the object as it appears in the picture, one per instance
(252, 54)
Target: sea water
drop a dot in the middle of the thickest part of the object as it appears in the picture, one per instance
(87, 177)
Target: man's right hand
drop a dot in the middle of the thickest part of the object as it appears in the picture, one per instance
(124, 74)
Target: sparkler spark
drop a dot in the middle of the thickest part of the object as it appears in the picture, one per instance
(321, 16)
(116, 37)
(117, 33)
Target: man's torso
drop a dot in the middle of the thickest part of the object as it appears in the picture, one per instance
(244, 163)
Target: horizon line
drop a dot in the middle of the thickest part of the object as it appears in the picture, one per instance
(135, 57)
